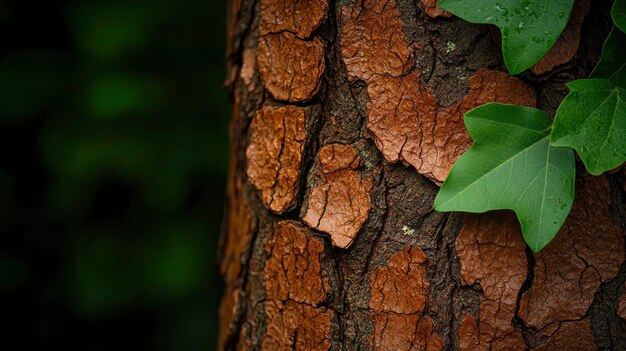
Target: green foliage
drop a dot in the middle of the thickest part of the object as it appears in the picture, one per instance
(124, 95)
(511, 165)
(529, 28)
(618, 12)
(613, 60)
(108, 273)
(114, 29)
(592, 120)
(30, 83)
(592, 117)
(114, 125)
(520, 162)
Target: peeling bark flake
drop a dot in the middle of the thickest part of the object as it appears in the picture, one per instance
(291, 68)
(575, 336)
(300, 17)
(491, 252)
(468, 334)
(295, 285)
(432, 10)
(294, 326)
(566, 46)
(372, 41)
(247, 68)
(588, 251)
(277, 138)
(406, 126)
(292, 270)
(340, 202)
(399, 294)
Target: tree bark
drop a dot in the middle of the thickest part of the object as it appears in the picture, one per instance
(347, 117)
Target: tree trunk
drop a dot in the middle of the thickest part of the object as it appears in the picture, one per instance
(347, 117)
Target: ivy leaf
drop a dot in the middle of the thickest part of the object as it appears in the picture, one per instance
(512, 165)
(592, 120)
(613, 61)
(592, 117)
(618, 12)
(529, 27)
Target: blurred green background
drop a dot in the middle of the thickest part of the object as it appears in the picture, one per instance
(113, 157)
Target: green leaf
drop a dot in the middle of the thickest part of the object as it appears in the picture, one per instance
(613, 62)
(618, 12)
(592, 120)
(529, 27)
(511, 165)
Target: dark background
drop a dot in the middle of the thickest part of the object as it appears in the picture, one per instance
(113, 157)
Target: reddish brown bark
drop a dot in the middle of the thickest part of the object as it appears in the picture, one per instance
(274, 154)
(566, 47)
(347, 116)
(340, 202)
(491, 252)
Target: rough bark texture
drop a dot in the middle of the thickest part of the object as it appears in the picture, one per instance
(347, 116)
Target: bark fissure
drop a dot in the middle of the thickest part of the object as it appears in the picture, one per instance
(383, 86)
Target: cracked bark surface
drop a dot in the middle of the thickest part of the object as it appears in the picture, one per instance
(344, 123)
(408, 124)
(291, 68)
(295, 285)
(588, 251)
(274, 154)
(567, 45)
(432, 10)
(300, 18)
(491, 252)
(399, 294)
(340, 201)
(372, 40)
